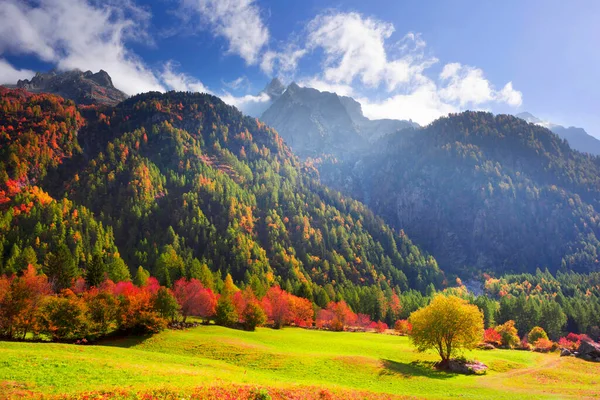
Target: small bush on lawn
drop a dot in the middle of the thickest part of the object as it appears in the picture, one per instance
(403, 327)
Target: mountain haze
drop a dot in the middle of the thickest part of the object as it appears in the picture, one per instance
(578, 138)
(316, 123)
(483, 193)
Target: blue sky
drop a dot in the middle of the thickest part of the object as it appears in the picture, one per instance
(401, 59)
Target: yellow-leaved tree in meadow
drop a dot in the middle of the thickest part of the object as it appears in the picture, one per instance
(448, 325)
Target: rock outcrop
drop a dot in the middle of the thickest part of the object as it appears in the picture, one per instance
(589, 351)
(81, 87)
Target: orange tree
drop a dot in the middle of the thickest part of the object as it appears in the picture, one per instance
(448, 325)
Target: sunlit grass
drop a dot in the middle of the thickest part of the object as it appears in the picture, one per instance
(184, 360)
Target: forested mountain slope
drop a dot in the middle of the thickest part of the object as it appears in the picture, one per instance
(184, 182)
(483, 193)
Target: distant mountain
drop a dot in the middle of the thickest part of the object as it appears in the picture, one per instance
(578, 138)
(81, 87)
(315, 123)
(482, 193)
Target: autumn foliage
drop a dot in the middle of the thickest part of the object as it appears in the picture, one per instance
(403, 327)
(491, 336)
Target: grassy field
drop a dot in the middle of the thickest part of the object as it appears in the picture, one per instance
(305, 363)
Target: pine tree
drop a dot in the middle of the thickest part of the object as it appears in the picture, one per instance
(95, 273)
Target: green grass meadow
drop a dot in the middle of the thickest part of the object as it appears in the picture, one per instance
(181, 361)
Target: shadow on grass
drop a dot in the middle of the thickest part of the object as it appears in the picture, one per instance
(416, 368)
(123, 340)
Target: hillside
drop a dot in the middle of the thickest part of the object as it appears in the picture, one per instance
(183, 180)
(291, 363)
(483, 193)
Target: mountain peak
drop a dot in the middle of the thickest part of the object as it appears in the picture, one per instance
(315, 122)
(275, 88)
(81, 87)
(527, 116)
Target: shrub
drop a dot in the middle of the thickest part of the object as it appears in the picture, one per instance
(253, 316)
(363, 320)
(524, 345)
(509, 334)
(403, 327)
(380, 327)
(574, 337)
(226, 315)
(136, 310)
(103, 310)
(543, 345)
(535, 334)
(20, 300)
(336, 317)
(64, 317)
(491, 336)
(166, 304)
(572, 341)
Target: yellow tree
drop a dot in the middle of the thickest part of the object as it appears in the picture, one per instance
(448, 325)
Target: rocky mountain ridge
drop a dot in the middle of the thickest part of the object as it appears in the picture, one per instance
(82, 87)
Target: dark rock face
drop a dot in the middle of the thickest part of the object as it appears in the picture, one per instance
(315, 123)
(81, 87)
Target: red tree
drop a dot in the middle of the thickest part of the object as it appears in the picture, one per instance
(194, 299)
(302, 313)
(276, 305)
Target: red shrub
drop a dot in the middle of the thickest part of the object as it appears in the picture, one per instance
(492, 336)
(380, 327)
(403, 327)
(363, 320)
(336, 317)
(543, 345)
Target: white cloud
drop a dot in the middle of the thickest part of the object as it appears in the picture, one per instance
(181, 82)
(284, 61)
(238, 21)
(466, 85)
(510, 96)
(355, 49)
(358, 58)
(10, 75)
(422, 105)
(249, 104)
(323, 86)
(77, 34)
(239, 83)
